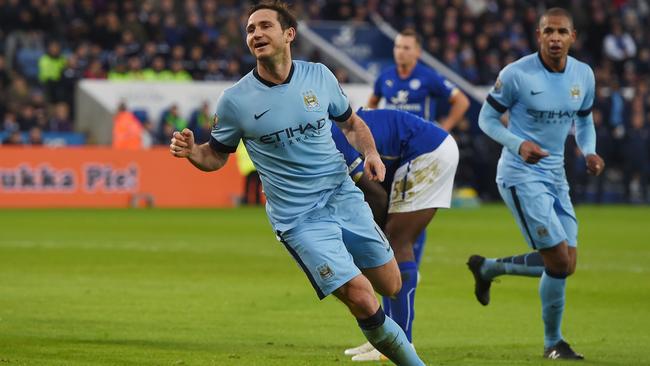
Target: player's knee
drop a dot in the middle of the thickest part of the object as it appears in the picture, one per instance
(360, 300)
(559, 269)
(392, 286)
(572, 268)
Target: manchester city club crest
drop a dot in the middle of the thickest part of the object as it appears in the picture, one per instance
(311, 102)
(497, 87)
(575, 92)
(325, 271)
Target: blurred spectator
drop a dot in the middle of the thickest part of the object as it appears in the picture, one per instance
(171, 121)
(118, 72)
(465, 141)
(127, 130)
(616, 109)
(252, 183)
(197, 65)
(70, 75)
(50, 68)
(157, 71)
(35, 136)
(14, 138)
(9, 122)
(149, 135)
(135, 69)
(179, 73)
(213, 72)
(597, 29)
(619, 46)
(29, 55)
(643, 62)
(60, 121)
(18, 94)
(4, 76)
(95, 70)
(130, 43)
(604, 148)
(27, 118)
(201, 123)
(635, 157)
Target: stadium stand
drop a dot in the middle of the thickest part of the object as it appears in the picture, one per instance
(46, 49)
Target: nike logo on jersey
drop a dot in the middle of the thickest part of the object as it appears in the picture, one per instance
(257, 116)
(535, 93)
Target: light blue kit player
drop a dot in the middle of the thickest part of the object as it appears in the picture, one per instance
(546, 94)
(421, 160)
(282, 111)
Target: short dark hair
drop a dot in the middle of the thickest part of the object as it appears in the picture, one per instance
(557, 12)
(285, 17)
(410, 32)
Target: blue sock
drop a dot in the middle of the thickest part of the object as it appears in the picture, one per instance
(551, 290)
(402, 307)
(389, 339)
(418, 246)
(529, 264)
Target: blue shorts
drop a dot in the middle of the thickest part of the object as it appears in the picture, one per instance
(332, 243)
(543, 212)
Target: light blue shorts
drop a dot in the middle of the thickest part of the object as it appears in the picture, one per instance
(543, 212)
(332, 243)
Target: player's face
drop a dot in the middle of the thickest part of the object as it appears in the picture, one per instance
(264, 35)
(406, 50)
(555, 36)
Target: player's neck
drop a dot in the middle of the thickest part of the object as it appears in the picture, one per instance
(554, 65)
(405, 71)
(275, 71)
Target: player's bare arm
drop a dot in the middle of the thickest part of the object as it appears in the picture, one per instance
(201, 156)
(459, 105)
(377, 198)
(373, 102)
(358, 135)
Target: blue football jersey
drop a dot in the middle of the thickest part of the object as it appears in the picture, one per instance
(399, 136)
(543, 107)
(416, 94)
(286, 131)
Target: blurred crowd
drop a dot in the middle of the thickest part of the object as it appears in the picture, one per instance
(49, 45)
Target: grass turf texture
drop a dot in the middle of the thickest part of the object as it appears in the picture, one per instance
(213, 287)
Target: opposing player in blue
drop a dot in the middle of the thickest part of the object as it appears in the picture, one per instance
(421, 160)
(413, 87)
(282, 111)
(546, 93)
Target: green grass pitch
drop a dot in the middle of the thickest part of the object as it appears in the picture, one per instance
(214, 287)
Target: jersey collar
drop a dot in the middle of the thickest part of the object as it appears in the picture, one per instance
(272, 84)
(548, 68)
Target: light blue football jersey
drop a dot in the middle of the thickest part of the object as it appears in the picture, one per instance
(417, 94)
(286, 131)
(543, 107)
